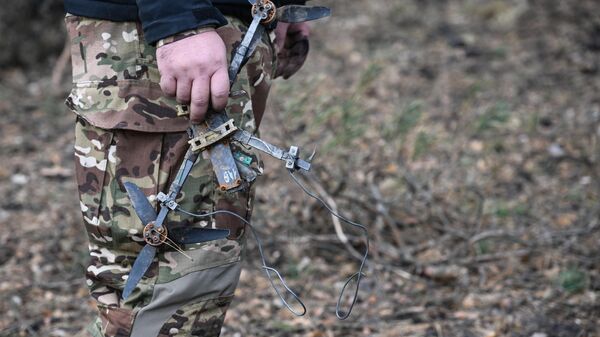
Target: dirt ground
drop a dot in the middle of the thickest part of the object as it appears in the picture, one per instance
(464, 133)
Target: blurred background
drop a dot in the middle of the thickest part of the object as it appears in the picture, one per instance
(464, 133)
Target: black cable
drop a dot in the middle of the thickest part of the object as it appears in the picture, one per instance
(356, 276)
(267, 269)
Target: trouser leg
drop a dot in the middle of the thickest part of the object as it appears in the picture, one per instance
(178, 296)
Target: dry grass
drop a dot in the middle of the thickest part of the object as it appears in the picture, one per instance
(464, 133)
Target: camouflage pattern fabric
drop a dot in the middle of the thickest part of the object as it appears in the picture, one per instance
(200, 319)
(128, 130)
(182, 35)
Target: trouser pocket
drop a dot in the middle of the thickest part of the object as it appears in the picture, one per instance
(204, 319)
(92, 150)
(194, 304)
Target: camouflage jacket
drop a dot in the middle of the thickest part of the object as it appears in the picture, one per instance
(161, 19)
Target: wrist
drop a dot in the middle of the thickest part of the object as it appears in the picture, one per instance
(183, 35)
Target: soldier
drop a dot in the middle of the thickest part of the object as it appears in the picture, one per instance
(133, 62)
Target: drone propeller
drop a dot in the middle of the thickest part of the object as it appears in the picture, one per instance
(141, 205)
(299, 13)
(155, 235)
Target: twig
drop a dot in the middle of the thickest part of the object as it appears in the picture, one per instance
(304, 239)
(438, 329)
(577, 231)
(485, 257)
(383, 210)
(446, 227)
(480, 204)
(379, 225)
(386, 248)
(336, 222)
(400, 272)
(494, 233)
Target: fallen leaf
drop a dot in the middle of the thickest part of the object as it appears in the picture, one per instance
(56, 172)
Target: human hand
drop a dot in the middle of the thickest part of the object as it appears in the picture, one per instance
(194, 69)
(292, 44)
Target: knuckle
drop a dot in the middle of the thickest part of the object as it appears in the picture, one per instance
(167, 88)
(201, 66)
(197, 117)
(217, 62)
(220, 94)
(183, 97)
(200, 102)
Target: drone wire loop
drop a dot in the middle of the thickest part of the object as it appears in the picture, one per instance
(359, 274)
(357, 277)
(265, 267)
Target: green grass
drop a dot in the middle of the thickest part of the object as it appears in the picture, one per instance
(422, 145)
(494, 117)
(348, 113)
(572, 280)
(502, 212)
(405, 122)
(369, 76)
(483, 247)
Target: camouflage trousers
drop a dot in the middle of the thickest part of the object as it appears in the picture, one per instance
(127, 130)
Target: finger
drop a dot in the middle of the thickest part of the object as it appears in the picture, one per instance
(184, 88)
(290, 70)
(300, 49)
(298, 54)
(282, 62)
(219, 89)
(297, 32)
(302, 29)
(168, 85)
(280, 34)
(199, 101)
